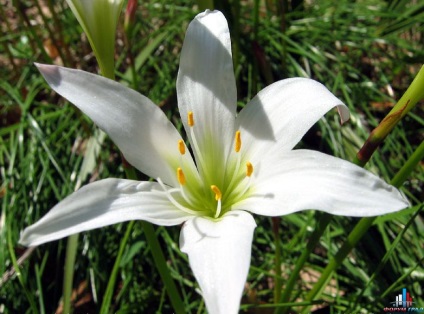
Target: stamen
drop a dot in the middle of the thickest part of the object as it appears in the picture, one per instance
(246, 181)
(180, 176)
(190, 118)
(174, 201)
(237, 147)
(197, 152)
(181, 147)
(218, 196)
(249, 169)
(237, 142)
(182, 180)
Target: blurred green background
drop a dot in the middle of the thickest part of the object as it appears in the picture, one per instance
(365, 52)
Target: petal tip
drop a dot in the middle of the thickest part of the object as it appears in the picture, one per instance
(343, 113)
(23, 240)
(44, 67)
(207, 13)
(50, 73)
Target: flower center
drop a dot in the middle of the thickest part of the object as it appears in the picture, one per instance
(216, 188)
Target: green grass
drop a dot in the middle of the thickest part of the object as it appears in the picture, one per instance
(366, 52)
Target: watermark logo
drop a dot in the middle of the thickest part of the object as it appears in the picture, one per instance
(403, 300)
(403, 304)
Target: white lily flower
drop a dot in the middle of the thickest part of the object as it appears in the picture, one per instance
(99, 19)
(242, 163)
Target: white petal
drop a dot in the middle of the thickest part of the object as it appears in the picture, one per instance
(104, 203)
(219, 255)
(279, 116)
(304, 179)
(206, 84)
(137, 126)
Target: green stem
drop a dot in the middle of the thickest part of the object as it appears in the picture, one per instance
(409, 166)
(162, 267)
(413, 94)
(71, 252)
(107, 299)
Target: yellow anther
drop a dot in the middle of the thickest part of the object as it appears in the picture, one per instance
(181, 147)
(237, 142)
(249, 169)
(190, 118)
(217, 192)
(181, 176)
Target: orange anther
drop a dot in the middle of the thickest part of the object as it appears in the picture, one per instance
(249, 169)
(217, 192)
(237, 142)
(190, 118)
(181, 147)
(180, 176)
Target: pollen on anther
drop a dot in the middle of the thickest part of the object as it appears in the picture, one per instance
(190, 118)
(181, 147)
(249, 169)
(237, 142)
(181, 176)
(217, 191)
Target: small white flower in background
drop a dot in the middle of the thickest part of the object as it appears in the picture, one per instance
(243, 163)
(99, 19)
